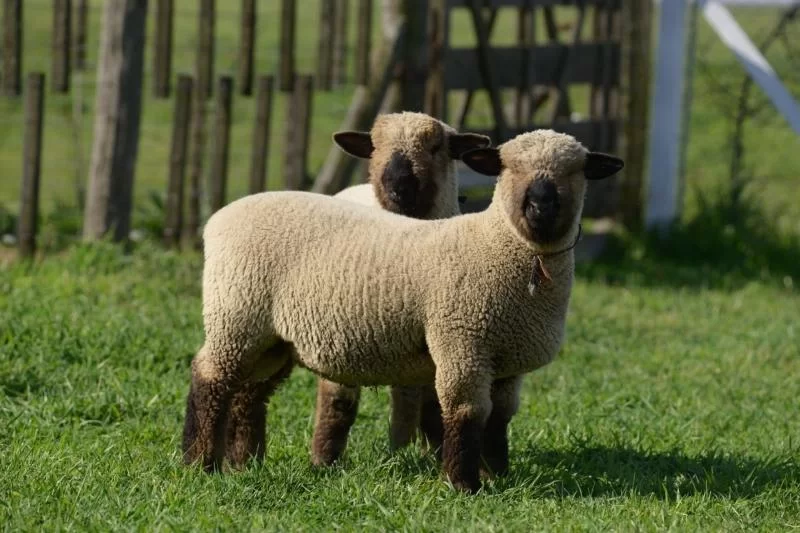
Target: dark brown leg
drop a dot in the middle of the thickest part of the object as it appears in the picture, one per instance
(466, 404)
(505, 402)
(246, 428)
(204, 428)
(462, 451)
(337, 406)
(406, 407)
(431, 420)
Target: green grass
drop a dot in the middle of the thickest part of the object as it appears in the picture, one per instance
(669, 408)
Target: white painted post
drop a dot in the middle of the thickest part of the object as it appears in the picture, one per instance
(753, 61)
(666, 126)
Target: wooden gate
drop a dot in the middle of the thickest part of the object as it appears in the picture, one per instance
(579, 67)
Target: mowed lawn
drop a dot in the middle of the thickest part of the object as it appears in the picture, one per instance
(668, 408)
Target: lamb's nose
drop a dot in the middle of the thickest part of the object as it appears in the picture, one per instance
(544, 196)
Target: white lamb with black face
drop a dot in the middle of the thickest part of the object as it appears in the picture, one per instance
(366, 297)
(412, 171)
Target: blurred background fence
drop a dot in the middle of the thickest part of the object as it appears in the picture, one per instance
(279, 77)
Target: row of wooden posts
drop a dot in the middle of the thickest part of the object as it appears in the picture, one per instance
(70, 30)
(186, 153)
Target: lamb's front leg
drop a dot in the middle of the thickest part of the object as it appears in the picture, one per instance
(465, 399)
(505, 402)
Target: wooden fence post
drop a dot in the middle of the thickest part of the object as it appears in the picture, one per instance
(61, 45)
(340, 43)
(261, 131)
(12, 47)
(636, 22)
(222, 133)
(31, 164)
(181, 122)
(247, 47)
(337, 170)
(325, 49)
(364, 41)
(81, 29)
(118, 107)
(198, 142)
(205, 48)
(162, 49)
(435, 97)
(287, 65)
(298, 122)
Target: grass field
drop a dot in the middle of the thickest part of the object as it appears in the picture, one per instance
(673, 405)
(669, 408)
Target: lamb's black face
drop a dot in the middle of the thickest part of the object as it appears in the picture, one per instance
(402, 187)
(547, 211)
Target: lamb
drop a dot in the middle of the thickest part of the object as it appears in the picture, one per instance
(366, 297)
(412, 172)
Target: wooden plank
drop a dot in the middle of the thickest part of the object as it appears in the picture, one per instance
(205, 48)
(340, 43)
(261, 135)
(526, 34)
(117, 119)
(220, 150)
(486, 70)
(637, 17)
(31, 164)
(286, 66)
(436, 85)
(247, 37)
(461, 72)
(666, 128)
(12, 47)
(61, 45)
(466, 102)
(338, 168)
(298, 124)
(560, 108)
(81, 31)
(181, 122)
(364, 42)
(325, 47)
(753, 61)
(162, 49)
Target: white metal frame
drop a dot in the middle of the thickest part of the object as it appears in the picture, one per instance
(670, 95)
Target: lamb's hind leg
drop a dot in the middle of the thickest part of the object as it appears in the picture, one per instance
(336, 410)
(246, 434)
(206, 409)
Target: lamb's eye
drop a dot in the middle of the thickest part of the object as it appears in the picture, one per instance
(437, 147)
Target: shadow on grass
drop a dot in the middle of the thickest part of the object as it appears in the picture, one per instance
(725, 245)
(603, 471)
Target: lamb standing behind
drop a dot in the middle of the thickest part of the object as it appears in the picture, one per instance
(412, 172)
(366, 297)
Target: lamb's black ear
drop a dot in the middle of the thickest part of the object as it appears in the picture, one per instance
(355, 143)
(599, 165)
(484, 160)
(459, 143)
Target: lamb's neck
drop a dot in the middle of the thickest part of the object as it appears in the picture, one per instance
(557, 261)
